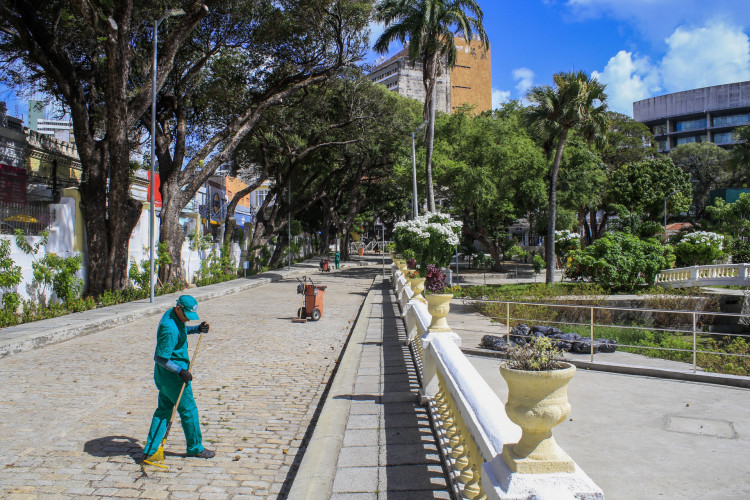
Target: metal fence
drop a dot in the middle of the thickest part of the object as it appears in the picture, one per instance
(696, 326)
(31, 218)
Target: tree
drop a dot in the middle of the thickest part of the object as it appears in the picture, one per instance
(582, 186)
(493, 173)
(430, 27)
(641, 188)
(705, 162)
(337, 140)
(254, 58)
(576, 102)
(94, 57)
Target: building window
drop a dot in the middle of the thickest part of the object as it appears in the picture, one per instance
(662, 146)
(688, 140)
(725, 138)
(728, 121)
(260, 197)
(690, 125)
(660, 129)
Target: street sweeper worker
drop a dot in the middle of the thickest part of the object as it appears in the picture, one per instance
(171, 372)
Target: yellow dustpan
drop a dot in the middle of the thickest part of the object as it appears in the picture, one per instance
(157, 459)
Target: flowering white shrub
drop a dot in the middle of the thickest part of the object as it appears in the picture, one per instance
(431, 236)
(699, 248)
(706, 238)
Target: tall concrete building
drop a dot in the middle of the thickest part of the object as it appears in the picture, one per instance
(708, 114)
(469, 83)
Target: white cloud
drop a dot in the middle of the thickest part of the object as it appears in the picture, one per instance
(628, 79)
(656, 19)
(499, 97)
(714, 54)
(525, 79)
(711, 55)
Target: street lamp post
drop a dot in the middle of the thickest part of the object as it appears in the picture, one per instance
(152, 187)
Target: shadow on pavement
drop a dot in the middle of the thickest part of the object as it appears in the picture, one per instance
(413, 465)
(115, 446)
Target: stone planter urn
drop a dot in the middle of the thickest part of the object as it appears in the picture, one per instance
(439, 305)
(537, 401)
(417, 286)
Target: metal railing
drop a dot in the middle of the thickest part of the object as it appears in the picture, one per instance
(32, 219)
(696, 321)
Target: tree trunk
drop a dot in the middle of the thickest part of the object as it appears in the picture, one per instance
(429, 143)
(550, 241)
(282, 243)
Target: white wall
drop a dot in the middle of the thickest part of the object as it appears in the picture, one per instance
(62, 238)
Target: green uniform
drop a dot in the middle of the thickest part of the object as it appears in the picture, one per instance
(171, 345)
(337, 259)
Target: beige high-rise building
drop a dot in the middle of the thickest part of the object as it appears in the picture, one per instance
(469, 83)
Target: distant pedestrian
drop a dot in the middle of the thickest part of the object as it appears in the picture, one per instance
(337, 259)
(171, 373)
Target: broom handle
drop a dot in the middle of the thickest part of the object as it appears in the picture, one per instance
(174, 410)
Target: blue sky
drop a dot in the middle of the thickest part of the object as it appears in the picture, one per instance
(639, 48)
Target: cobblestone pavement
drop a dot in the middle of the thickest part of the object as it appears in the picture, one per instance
(73, 415)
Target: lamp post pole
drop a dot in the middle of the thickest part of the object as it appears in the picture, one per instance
(152, 183)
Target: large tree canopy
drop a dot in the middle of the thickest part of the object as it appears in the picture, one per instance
(94, 57)
(491, 171)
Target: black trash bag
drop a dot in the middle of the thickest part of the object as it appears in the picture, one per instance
(554, 331)
(582, 346)
(494, 342)
(520, 340)
(569, 337)
(520, 329)
(544, 330)
(606, 345)
(537, 334)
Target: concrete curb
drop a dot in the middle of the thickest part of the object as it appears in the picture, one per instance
(28, 336)
(314, 478)
(704, 377)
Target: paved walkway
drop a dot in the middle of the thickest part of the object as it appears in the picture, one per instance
(74, 414)
(388, 448)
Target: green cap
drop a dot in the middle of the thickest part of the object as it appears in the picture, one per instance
(189, 306)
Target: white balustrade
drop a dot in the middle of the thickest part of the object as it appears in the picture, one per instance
(471, 422)
(714, 275)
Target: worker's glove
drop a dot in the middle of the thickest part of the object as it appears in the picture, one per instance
(203, 327)
(186, 376)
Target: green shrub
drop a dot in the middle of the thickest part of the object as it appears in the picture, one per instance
(538, 263)
(699, 249)
(618, 261)
(740, 250)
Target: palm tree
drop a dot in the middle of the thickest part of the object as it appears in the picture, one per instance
(429, 27)
(576, 102)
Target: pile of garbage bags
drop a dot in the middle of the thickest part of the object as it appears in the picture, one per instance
(571, 342)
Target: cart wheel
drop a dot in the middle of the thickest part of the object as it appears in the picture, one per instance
(301, 313)
(315, 314)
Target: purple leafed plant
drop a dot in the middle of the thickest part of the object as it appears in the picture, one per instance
(435, 279)
(411, 263)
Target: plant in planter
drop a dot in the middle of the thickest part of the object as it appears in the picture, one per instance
(438, 303)
(537, 401)
(417, 284)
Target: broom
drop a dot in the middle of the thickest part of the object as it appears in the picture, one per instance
(157, 459)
